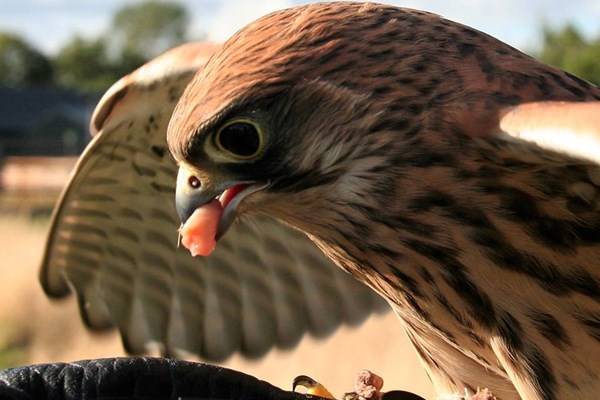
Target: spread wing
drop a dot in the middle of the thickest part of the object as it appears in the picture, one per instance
(113, 241)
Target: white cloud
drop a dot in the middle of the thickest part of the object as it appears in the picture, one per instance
(513, 21)
(49, 24)
(234, 14)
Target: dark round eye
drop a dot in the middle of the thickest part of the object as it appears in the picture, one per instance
(194, 182)
(240, 138)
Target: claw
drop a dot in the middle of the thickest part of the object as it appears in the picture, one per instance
(312, 387)
(367, 387)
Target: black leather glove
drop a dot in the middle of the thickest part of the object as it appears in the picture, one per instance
(135, 378)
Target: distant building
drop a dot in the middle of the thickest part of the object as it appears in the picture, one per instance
(43, 121)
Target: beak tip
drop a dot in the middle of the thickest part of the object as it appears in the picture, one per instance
(184, 207)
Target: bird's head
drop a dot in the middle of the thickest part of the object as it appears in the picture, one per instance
(282, 109)
(313, 107)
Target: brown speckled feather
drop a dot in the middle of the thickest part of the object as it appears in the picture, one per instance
(408, 148)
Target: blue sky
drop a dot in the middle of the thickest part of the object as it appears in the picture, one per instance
(47, 24)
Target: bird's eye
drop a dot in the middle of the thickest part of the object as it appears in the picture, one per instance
(241, 138)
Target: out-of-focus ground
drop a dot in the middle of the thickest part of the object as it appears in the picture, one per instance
(34, 329)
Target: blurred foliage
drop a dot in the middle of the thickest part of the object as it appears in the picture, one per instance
(568, 49)
(84, 64)
(141, 31)
(138, 33)
(21, 64)
(11, 356)
(150, 28)
(13, 344)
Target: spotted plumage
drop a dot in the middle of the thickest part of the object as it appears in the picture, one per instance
(454, 175)
(385, 146)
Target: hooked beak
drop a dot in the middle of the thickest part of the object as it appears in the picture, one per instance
(191, 194)
(313, 387)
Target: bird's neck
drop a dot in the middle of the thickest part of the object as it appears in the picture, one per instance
(436, 224)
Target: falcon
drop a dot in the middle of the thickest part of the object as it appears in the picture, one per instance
(452, 174)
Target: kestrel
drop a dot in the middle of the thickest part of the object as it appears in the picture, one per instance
(454, 175)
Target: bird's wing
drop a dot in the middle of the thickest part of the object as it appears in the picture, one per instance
(113, 239)
(564, 127)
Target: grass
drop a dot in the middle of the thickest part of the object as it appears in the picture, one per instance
(13, 347)
(11, 356)
(17, 260)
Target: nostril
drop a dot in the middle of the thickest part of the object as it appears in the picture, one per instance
(194, 182)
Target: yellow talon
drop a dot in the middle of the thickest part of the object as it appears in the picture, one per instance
(312, 387)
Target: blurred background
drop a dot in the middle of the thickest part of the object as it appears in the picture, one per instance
(57, 57)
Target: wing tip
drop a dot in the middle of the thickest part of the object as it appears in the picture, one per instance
(183, 59)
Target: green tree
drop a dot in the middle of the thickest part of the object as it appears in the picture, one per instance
(84, 65)
(21, 64)
(147, 29)
(138, 32)
(568, 49)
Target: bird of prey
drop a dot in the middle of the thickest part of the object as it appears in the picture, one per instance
(454, 175)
